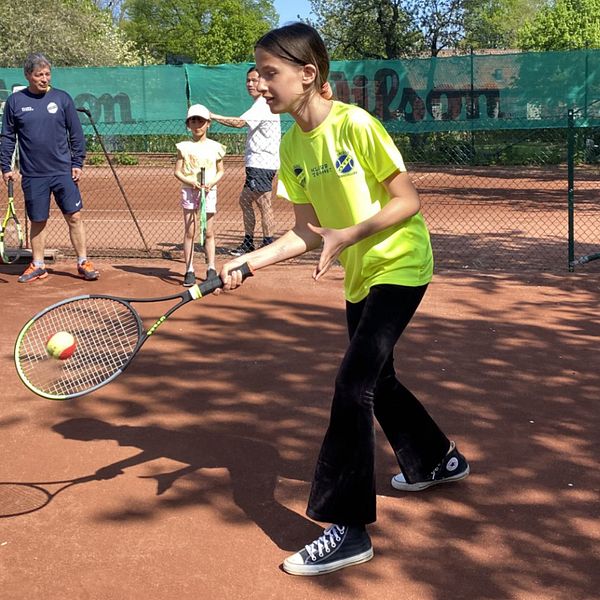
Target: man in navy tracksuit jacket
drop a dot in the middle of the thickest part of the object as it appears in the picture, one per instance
(44, 123)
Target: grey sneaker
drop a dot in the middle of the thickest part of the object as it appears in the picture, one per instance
(31, 273)
(340, 546)
(190, 279)
(87, 270)
(453, 467)
(211, 274)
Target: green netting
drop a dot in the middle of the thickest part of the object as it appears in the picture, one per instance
(474, 92)
(124, 95)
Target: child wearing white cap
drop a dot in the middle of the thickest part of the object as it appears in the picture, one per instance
(193, 156)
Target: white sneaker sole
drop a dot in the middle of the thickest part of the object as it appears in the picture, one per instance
(321, 569)
(423, 485)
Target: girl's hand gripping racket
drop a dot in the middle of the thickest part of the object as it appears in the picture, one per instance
(202, 208)
(80, 344)
(11, 235)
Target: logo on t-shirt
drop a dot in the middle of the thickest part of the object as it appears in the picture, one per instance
(344, 164)
(300, 175)
(52, 108)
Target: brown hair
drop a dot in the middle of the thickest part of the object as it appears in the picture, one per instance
(299, 44)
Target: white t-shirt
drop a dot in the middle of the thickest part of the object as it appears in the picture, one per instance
(264, 135)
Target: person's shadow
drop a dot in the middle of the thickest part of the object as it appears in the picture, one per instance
(253, 467)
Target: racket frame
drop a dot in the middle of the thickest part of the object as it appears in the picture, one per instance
(202, 208)
(195, 292)
(10, 215)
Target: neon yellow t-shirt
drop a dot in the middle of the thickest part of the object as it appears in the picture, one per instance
(338, 167)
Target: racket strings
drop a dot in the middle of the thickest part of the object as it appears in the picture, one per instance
(106, 333)
(11, 235)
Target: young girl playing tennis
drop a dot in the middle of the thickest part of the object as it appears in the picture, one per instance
(193, 156)
(351, 193)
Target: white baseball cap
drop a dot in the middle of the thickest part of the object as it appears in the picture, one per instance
(198, 110)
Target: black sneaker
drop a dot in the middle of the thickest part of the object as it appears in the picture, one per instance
(245, 247)
(340, 546)
(266, 241)
(190, 279)
(453, 467)
(211, 274)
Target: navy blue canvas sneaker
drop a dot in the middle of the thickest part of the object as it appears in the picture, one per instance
(340, 546)
(453, 467)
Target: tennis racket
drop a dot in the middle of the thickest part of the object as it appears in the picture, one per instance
(108, 334)
(202, 208)
(586, 259)
(11, 234)
(17, 498)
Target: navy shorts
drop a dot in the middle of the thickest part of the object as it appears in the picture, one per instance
(37, 190)
(259, 180)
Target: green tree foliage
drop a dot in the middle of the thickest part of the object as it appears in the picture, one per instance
(365, 29)
(440, 21)
(69, 32)
(563, 25)
(384, 29)
(495, 23)
(200, 31)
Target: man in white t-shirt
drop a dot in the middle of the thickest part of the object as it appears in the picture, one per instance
(262, 161)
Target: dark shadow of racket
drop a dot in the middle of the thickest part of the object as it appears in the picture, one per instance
(21, 498)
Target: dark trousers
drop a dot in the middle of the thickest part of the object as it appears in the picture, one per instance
(343, 488)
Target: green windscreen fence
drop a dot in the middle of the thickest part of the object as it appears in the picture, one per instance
(473, 92)
(127, 96)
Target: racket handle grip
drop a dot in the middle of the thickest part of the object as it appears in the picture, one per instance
(210, 285)
(11, 188)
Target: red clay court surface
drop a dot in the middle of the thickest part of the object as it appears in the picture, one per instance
(217, 424)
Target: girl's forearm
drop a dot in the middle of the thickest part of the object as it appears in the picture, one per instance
(289, 245)
(396, 211)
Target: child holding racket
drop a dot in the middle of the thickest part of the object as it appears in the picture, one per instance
(200, 154)
(352, 195)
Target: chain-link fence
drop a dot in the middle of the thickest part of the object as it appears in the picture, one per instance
(494, 199)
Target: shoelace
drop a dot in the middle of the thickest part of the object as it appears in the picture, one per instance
(325, 543)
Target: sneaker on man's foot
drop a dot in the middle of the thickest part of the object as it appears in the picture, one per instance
(31, 273)
(190, 279)
(243, 248)
(340, 546)
(453, 467)
(211, 274)
(87, 271)
(266, 241)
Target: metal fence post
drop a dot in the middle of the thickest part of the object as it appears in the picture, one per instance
(570, 184)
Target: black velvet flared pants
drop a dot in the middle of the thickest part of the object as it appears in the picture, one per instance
(343, 488)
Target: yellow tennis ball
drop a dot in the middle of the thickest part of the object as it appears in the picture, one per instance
(61, 345)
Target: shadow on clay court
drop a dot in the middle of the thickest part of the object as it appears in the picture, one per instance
(518, 391)
(253, 466)
(168, 275)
